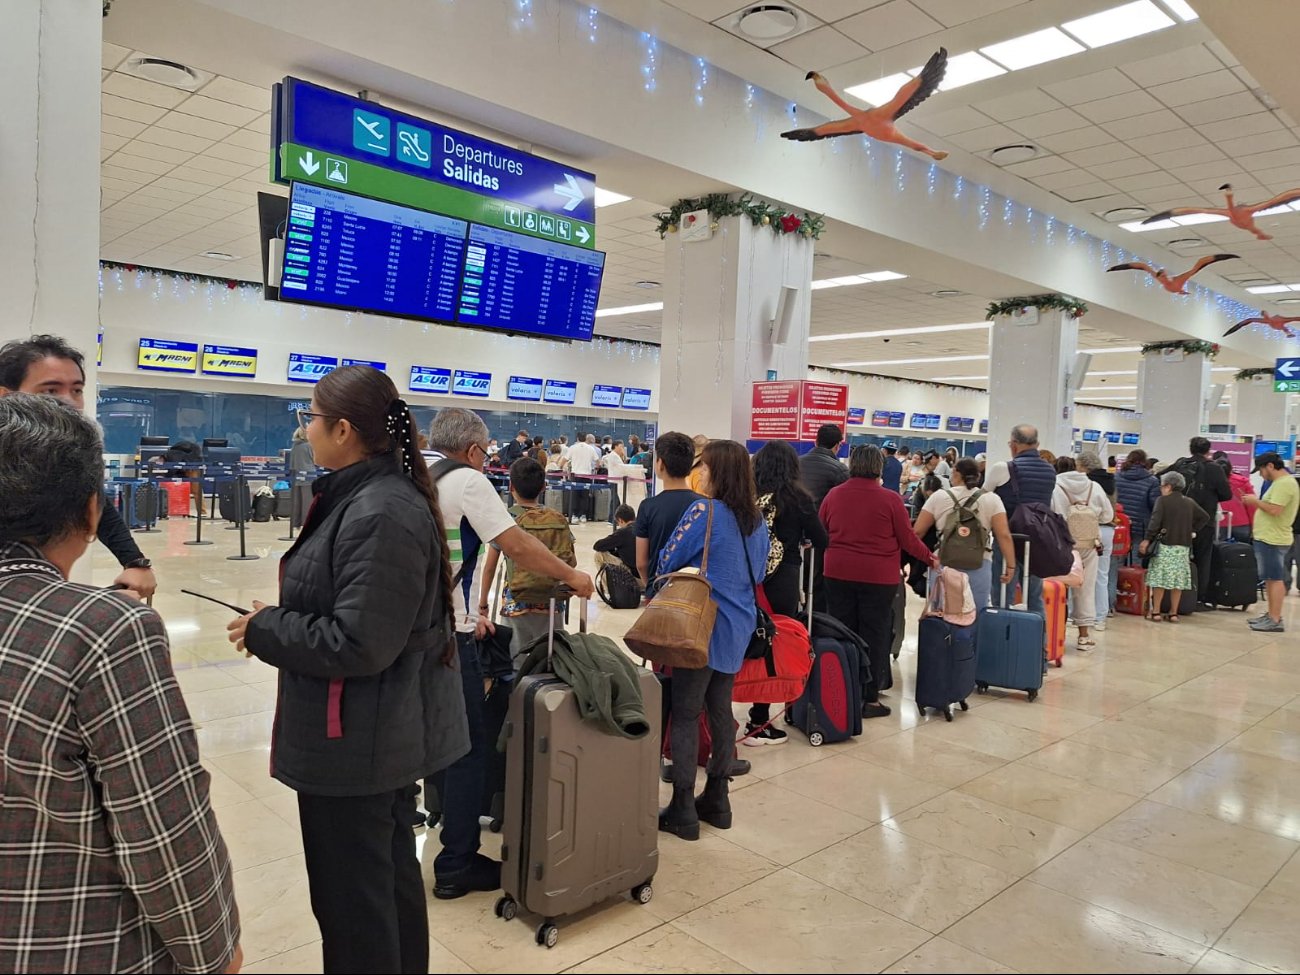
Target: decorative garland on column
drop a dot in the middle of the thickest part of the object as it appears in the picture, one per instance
(1049, 302)
(761, 214)
(1189, 346)
(1245, 375)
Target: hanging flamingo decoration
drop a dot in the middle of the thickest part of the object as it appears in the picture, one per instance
(1238, 214)
(1176, 285)
(1281, 323)
(878, 123)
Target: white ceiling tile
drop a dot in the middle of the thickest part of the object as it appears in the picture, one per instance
(217, 111)
(1124, 167)
(193, 125)
(111, 55)
(1144, 181)
(1173, 66)
(827, 10)
(1205, 177)
(1220, 51)
(950, 13)
(1188, 156)
(1039, 167)
(1180, 138)
(125, 175)
(1146, 124)
(192, 187)
(1086, 193)
(112, 142)
(1118, 106)
(706, 9)
(125, 108)
(1109, 152)
(215, 164)
(248, 139)
(120, 126)
(173, 139)
(1076, 139)
(1280, 139)
(952, 121)
(142, 164)
(1049, 123)
(1064, 178)
(888, 25)
(989, 137)
(260, 124)
(139, 90)
(1031, 101)
(819, 49)
(247, 157)
(136, 147)
(109, 182)
(1270, 159)
(1232, 128)
(1198, 89)
(1090, 87)
(1217, 109)
(237, 93)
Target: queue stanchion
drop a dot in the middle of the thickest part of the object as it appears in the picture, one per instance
(241, 503)
(151, 518)
(298, 480)
(198, 538)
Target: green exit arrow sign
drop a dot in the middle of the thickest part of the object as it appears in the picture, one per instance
(1286, 385)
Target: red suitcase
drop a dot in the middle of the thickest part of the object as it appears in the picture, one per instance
(1131, 594)
(1056, 604)
(178, 497)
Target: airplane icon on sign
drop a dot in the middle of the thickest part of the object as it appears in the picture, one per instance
(371, 127)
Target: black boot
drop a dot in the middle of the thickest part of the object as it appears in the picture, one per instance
(713, 806)
(679, 817)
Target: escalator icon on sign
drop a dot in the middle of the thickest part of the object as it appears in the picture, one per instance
(336, 170)
(530, 221)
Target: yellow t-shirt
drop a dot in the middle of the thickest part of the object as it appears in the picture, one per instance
(1276, 529)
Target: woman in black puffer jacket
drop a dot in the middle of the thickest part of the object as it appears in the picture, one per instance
(368, 699)
(1138, 490)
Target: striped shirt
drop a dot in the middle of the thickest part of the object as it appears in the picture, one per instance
(110, 856)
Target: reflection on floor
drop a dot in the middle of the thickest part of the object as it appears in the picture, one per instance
(1142, 816)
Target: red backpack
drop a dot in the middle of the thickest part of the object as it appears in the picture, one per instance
(1123, 532)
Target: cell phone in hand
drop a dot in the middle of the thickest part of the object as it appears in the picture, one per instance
(212, 599)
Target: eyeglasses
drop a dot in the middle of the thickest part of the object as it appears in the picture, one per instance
(306, 416)
(480, 447)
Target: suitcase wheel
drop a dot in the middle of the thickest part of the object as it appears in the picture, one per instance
(1060, 661)
(981, 687)
(920, 710)
(547, 934)
(947, 714)
(1033, 694)
(506, 908)
(643, 893)
(816, 739)
(964, 705)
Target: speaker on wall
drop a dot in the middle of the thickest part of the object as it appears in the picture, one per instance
(779, 326)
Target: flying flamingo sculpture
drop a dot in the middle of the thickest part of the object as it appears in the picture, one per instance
(1239, 214)
(1280, 322)
(1174, 285)
(878, 123)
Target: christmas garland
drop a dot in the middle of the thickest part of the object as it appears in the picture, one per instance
(230, 283)
(1014, 306)
(1189, 346)
(721, 205)
(1247, 374)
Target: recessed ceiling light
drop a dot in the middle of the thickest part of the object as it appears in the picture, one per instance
(1269, 289)
(1119, 23)
(892, 332)
(768, 21)
(164, 72)
(1138, 227)
(876, 276)
(1189, 219)
(606, 198)
(916, 362)
(1036, 48)
(220, 256)
(1288, 301)
(1007, 155)
(913, 344)
(646, 284)
(1115, 348)
(879, 91)
(946, 293)
(1117, 214)
(630, 309)
(1182, 8)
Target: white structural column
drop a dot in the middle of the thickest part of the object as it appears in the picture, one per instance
(49, 172)
(1174, 390)
(726, 323)
(1257, 411)
(1031, 358)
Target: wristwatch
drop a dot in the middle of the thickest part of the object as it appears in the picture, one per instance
(140, 563)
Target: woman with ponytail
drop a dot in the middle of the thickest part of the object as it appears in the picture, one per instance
(369, 700)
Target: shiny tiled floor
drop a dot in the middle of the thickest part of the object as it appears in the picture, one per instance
(1142, 816)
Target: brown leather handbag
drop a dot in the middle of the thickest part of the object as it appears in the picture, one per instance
(674, 630)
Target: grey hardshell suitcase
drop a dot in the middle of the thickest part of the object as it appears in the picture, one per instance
(581, 806)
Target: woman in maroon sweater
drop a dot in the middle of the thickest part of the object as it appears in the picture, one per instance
(868, 528)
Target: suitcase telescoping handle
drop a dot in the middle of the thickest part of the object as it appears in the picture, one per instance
(1227, 536)
(563, 592)
(1009, 590)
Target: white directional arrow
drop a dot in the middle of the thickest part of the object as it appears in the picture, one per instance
(1288, 368)
(569, 190)
(308, 163)
(582, 235)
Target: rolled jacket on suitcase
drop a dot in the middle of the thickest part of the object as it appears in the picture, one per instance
(1009, 644)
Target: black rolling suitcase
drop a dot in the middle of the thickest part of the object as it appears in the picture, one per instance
(228, 502)
(945, 658)
(283, 503)
(1234, 578)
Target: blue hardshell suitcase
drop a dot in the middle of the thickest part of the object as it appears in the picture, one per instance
(1009, 643)
(945, 664)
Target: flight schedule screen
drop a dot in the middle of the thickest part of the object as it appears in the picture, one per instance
(518, 283)
(350, 251)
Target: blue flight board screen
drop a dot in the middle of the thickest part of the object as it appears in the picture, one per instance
(636, 399)
(1131, 439)
(857, 416)
(1091, 436)
(468, 383)
(524, 388)
(525, 284)
(560, 391)
(349, 251)
(881, 418)
(373, 363)
(606, 395)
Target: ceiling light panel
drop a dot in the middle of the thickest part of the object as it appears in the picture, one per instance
(606, 198)
(630, 309)
(1181, 9)
(880, 91)
(968, 68)
(1030, 49)
(916, 362)
(1193, 218)
(1119, 23)
(895, 332)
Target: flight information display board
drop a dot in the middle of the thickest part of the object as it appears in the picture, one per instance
(518, 283)
(636, 399)
(525, 388)
(560, 391)
(1131, 439)
(606, 395)
(349, 251)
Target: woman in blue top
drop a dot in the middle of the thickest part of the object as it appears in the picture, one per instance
(739, 534)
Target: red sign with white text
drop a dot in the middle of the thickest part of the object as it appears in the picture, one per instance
(774, 411)
(822, 403)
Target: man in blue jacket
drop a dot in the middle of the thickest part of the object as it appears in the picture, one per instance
(892, 478)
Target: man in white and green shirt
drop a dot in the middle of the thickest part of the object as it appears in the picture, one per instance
(1274, 516)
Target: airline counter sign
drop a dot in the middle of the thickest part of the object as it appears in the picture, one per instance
(305, 368)
(161, 355)
(525, 388)
(428, 379)
(229, 360)
(467, 383)
(373, 363)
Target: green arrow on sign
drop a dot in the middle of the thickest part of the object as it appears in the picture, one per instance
(1286, 385)
(354, 176)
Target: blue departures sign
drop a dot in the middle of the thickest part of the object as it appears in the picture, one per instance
(636, 399)
(427, 379)
(339, 124)
(467, 383)
(373, 363)
(606, 395)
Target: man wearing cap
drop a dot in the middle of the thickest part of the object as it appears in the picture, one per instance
(1272, 531)
(892, 478)
(983, 461)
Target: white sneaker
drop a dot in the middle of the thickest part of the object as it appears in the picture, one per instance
(1099, 626)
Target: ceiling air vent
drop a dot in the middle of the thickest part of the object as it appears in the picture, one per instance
(164, 72)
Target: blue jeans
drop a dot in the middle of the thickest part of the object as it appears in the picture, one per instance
(460, 786)
(1270, 560)
(997, 594)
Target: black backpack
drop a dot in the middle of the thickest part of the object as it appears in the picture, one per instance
(1051, 547)
(618, 587)
(1190, 468)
